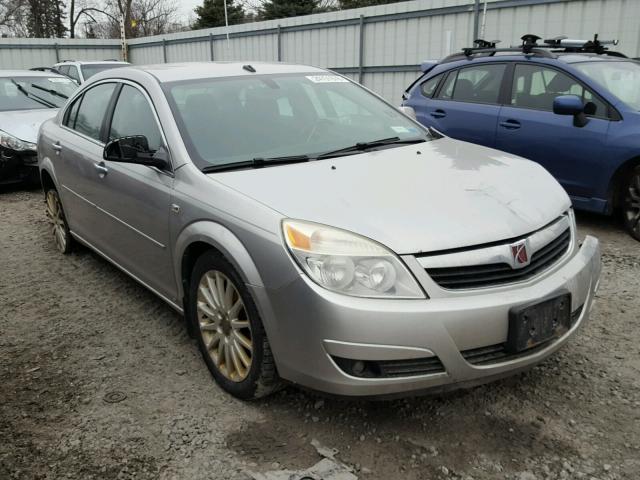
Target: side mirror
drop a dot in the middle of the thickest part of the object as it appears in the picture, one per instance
(135, 149)
(408, 111)
(571, 105)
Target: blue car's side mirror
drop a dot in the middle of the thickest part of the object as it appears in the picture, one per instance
(571, 105)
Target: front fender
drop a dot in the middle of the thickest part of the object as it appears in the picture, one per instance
(46, 165)
(223, 240)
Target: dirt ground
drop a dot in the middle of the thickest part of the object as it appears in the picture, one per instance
(98, 380)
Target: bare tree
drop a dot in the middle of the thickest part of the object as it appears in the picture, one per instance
(87, 11)
(13, 17)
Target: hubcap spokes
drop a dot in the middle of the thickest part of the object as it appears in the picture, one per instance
(632, 204)
(54, 213)
(224, 325)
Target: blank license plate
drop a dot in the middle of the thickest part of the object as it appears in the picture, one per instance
(532, 325)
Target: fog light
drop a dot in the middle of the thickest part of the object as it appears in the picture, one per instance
(358, 367)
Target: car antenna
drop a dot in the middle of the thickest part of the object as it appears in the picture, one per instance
(249, 68)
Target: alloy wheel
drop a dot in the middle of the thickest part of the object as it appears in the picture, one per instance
(56, 218)
(632, 205)
(224, 325)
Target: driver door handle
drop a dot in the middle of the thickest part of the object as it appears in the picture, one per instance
(101, 169)
(57, 147)
(510, 124)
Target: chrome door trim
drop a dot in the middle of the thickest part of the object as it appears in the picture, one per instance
(171, 303)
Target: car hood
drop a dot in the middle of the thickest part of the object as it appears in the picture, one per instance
(427, 197)
(25, 124)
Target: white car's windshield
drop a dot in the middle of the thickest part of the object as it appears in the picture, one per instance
(229, 120)
(621, 78)
(91, 69)
(29, 93)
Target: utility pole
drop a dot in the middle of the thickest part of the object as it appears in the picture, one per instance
(226, 23)
(123, 39)
(476, 15)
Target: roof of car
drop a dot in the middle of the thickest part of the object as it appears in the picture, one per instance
(27, 73)
(91, 62)
(169, 72)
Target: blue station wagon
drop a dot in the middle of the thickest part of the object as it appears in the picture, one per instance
(572, 106)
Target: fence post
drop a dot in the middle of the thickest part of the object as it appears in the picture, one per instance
(55, 45)
(164, 50)
(361, 51)
(211, 46)
(476, 18)
(279, 43)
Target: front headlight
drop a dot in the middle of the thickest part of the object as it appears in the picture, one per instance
(348, 263)
(13, 143)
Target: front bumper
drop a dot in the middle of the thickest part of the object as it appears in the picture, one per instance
(17, 167)
(309, 327)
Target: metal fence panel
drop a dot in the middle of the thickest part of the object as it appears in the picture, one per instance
(381, 46)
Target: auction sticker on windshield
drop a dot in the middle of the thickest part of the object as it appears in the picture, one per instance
(326, 78)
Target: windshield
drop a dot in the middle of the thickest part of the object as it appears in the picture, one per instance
(622, 79)
(91, 69)
(228, 120)
(28, 93)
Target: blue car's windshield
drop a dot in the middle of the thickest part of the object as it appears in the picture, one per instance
(233, 119)
(621, 78)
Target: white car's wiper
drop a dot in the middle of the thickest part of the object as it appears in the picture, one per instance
(32, 96)
(257, 162)
(50, 90)
(362, 146)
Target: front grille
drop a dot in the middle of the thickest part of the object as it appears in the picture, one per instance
(493, 274)
(390, 368)
(499, 353)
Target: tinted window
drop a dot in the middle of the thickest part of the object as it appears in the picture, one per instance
(446, 92)
(536, 87)
(429, 87)
(93, 108)
(620, 78)
(133, 116)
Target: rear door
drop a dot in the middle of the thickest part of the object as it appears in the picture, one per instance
(466, 103)
(78, 149)
(527, 126)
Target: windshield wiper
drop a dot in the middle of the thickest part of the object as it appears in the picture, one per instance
(362, 146)
(50, 90)
(256, 163)
(32, 96)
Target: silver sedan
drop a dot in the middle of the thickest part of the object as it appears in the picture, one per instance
(310, 232)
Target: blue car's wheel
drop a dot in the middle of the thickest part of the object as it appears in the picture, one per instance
(631, 206)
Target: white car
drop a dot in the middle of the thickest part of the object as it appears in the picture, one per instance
(27, 98)
(82, 71)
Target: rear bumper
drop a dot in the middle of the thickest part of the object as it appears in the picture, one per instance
(309, 328)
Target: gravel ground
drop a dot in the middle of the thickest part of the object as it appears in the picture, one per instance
(99, 380)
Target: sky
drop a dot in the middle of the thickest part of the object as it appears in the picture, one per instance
(186, 8)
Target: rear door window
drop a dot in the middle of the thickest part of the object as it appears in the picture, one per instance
(92, 110)
(428, 88)
(477, 84)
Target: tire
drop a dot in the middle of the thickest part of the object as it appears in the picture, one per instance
(231, 335)
(631, 203)
(58, 221)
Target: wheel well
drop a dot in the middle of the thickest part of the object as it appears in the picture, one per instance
(189, 258)
(47, 181)
(615, 190)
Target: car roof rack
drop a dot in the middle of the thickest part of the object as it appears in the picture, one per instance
(530, 46)
(596, 45)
